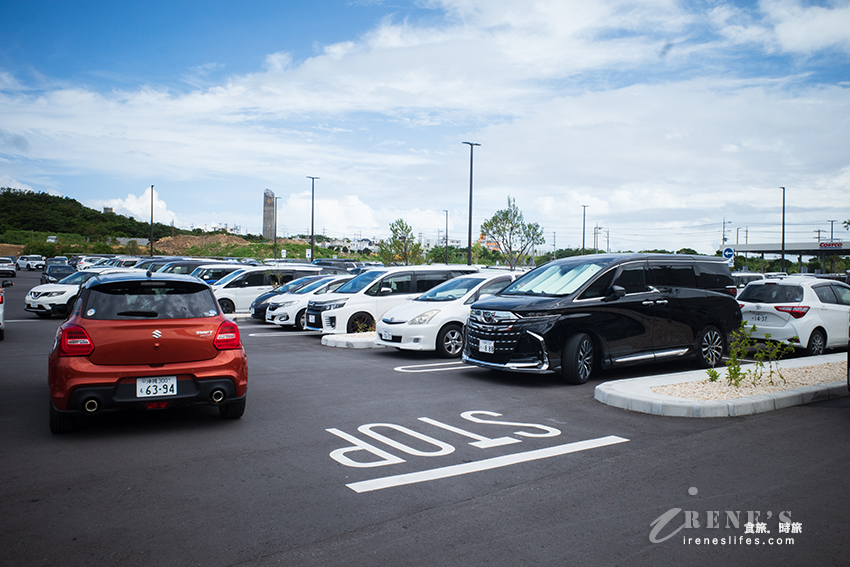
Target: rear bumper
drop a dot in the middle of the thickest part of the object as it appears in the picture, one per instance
(122, 396)
(73, 380)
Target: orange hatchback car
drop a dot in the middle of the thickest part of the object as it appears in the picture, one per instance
(146, 341)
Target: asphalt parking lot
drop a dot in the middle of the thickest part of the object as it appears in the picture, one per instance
(378, 457)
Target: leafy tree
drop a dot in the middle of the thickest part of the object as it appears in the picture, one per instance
(401, 247)
(514, 236)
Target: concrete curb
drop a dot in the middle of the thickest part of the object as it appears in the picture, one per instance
(635, 394)
(353, 340)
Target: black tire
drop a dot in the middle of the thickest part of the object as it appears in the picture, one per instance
(359, 322)
(227, 306)
(60, 423)
(577, 359)
(2, 334)
(450, 341)
(817, 343)
(710, 347)
(301, 320)
(43, 315)
(233, 410)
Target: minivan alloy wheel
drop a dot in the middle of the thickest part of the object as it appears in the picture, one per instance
(711, 347)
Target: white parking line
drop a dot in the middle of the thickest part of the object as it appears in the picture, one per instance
(478, 466)
(440, 367)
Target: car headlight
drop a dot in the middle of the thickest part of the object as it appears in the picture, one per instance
(423, 318)
(336, 305)
(55, 293)
(274, 306)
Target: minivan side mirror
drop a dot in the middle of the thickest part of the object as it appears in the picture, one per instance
(386, 291)
(616, 293)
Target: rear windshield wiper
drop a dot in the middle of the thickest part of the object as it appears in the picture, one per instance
(137, 314)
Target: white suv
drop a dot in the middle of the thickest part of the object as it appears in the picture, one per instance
(5, 283)
(32, 262)
(357, 304)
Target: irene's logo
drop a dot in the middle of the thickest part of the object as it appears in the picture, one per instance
(754, 522)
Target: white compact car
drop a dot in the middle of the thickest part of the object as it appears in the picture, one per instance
(435, 319)
(358, 303)
(58, 298)
(4, 284)
(290, 309)
(237, 290)
(807, 312)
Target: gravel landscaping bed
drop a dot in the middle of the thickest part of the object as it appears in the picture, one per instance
(704, 390)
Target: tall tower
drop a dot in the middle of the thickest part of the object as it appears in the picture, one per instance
(268, 215)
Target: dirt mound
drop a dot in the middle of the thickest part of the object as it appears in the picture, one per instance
(11, 249)
(178, 245)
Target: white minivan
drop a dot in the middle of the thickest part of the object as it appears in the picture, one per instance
(358, 303)
(237, 290)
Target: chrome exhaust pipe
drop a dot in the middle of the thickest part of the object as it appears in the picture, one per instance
(91, 405)
(217, 396)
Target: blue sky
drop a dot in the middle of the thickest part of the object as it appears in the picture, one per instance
(663, 117)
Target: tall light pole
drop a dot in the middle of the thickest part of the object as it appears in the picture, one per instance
(312, 216)
(276, 199)
(782, 264)
(151, 242)
(447, 235)
(583, 216)
(469, 234)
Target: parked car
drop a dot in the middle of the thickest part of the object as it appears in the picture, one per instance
(47, 300)
(580, 314)
(31, 262)
(435, 319)
(155, 263)
(56, 261)
(55, 272)
(238, 290)
(260, 305)
(809, 313)
(358, 303)
(183, 266)
(148, 342)
(290, 308)
(4, 284)
(8, 268)
(741, 279)
(211, 273)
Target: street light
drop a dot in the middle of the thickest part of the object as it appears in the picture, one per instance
(151, 242)
(312, 216)
(583, 216)
(276, 199)
(469, 234)
(446, 243)
(782, 266)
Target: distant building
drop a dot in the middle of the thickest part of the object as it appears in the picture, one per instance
(268, 215)
(108, 210)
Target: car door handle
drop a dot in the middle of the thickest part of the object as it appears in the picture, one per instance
(648, 302)
(661, 302)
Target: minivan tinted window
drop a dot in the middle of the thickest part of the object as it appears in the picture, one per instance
(557, 279)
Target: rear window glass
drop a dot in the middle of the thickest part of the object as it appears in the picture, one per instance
(772, 293)
(150, 300)
(715, 275)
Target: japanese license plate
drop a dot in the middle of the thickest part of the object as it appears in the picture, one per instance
(156, 386)
(311, 318)
(757, 317)
(34, 305)
(387, 335)
(487, 346)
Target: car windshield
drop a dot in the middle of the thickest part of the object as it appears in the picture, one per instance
(150, 300)
(772, 293)
(230, 277)
(312, 286)
(77, 278)
(361, 282)
(291, 286)
(450, 290)
(556, 279)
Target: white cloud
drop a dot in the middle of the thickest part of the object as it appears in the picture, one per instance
(139, 207)
(622, 106)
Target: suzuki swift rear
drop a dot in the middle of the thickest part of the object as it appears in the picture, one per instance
(145, 341)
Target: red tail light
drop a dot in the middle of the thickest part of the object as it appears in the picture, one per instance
(227, 336)
(732, 290)
(75, 341)
(795, 311)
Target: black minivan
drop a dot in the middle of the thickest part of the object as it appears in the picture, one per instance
(600, 311)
